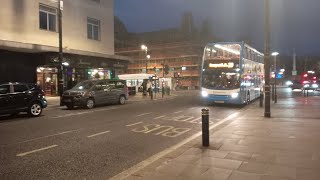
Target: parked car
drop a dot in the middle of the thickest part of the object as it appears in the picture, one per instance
(95, 92)
(21, 97)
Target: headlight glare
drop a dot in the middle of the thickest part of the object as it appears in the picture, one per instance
(234, 95)
(204, 94)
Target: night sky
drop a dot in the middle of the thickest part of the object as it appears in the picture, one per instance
(294, 23)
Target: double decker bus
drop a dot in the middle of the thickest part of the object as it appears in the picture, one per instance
(232, 73)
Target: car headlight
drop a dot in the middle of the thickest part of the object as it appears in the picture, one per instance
(204, 93)
(289, 83)
(315, 85)
(234, 95)
(306, 85)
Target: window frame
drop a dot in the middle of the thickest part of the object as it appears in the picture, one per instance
(48, 17)
(92, 25)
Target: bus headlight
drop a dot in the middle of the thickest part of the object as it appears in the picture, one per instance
(204, 94)
(234, 95)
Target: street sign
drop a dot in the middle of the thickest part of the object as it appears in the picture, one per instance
(294, 73)
(61, 5)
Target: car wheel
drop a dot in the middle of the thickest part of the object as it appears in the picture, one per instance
(122, 100)
(89, 103)
(70, 106)
(35, 109)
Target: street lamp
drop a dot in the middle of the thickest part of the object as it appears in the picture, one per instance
(145, 48)
(60, 57)
(275, 54)
(267, 112)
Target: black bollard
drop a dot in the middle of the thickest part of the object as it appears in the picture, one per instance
(272, 91)
(261, 99)
(151, 94)
(162, 91)
(205, 127)
(304, 92)
(307, 93)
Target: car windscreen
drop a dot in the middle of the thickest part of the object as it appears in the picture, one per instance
(83, 85)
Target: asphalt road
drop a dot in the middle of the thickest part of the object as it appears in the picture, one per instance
(102, 142)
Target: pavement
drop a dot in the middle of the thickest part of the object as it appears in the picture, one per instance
(246, 146)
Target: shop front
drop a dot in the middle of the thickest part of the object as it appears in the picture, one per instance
(47, 79)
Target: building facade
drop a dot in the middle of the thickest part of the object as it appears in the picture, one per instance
(174, 53)
(29, 42)
(180, 62)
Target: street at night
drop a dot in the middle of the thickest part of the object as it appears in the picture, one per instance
(100, 142)
(104, 141)
(159, 90)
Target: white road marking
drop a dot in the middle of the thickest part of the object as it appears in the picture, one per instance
(93, 135)
(84, 112)
(134, 124)
(178, 112)
(159, 155)
(144, 114)
(66, 132)
(193, 108)
(37, 150)
(159, 117)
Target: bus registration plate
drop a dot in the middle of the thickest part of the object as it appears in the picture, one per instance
(220, 102)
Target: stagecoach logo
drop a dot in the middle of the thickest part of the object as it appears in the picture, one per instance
(222, 65)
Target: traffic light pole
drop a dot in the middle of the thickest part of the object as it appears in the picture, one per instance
(162, 79)
(267, 112)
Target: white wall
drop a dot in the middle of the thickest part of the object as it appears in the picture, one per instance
(19, 22)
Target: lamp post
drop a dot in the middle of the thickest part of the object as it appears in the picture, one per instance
(275, 54)
(60, 67)
(267, 112)
(145, 48)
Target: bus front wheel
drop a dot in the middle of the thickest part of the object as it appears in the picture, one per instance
(248, 98)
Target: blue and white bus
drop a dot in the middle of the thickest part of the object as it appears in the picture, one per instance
(232, 73)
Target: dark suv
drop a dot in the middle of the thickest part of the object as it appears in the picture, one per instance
(21, 97)
(95, 92)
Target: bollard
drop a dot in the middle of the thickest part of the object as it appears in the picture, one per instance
(275, 98)
(307, 93)
(151, 94)
(261, 99)
(205, 127)
(162, 91)
(272, 91)
(304, 92)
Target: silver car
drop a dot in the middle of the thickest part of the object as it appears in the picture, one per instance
(95, 92)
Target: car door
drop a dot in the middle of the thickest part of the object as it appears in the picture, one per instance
(21, 96)
(111, 91)
(5, 102)
(100, 96)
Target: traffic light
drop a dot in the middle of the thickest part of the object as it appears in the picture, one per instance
(166, 69)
